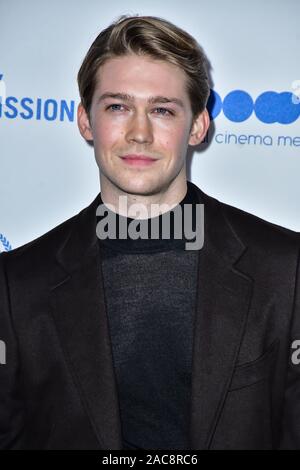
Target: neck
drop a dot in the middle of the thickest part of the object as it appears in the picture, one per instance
(142, 206)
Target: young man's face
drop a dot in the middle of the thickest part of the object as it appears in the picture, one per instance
(141, 124)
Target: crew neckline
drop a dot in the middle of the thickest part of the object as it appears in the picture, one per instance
(150, 245)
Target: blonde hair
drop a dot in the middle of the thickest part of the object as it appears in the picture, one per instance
(156, 38)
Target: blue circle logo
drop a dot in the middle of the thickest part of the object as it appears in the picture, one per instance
(269, 107)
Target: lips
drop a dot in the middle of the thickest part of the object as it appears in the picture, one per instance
(138, 160)
(138, 157)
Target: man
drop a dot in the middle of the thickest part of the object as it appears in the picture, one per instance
(119, 342)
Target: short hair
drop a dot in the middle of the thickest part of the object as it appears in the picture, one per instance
(154, 37)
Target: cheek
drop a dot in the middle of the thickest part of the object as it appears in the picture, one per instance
(174, 140)
(107, 135)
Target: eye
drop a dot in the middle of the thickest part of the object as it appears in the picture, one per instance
(161, 111)
(164, 112)
(113, 107)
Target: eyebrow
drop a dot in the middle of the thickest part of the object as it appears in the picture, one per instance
(151, 99)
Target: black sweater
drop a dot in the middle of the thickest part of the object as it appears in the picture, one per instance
(150, 291)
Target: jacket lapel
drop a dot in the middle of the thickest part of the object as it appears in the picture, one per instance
(79, 313)
(224, 295)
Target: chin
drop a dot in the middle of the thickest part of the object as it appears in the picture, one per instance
(140, 188)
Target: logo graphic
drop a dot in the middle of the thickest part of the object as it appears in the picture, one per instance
(2, 90)
(4, 243)
(12, 107)
(269, 107)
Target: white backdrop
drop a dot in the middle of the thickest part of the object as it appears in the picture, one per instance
(48, 173)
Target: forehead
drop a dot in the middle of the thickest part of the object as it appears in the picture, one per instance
(141, 76)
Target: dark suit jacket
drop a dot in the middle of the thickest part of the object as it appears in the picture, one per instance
(58, 388)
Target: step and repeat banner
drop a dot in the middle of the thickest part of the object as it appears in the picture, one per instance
(250, 157)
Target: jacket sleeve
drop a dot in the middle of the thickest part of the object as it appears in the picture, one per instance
(290, 430)
(11, 405)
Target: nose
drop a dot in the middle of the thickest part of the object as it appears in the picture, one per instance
(139, 129)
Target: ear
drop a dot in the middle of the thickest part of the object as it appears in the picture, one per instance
(199, 128)
(83, 123)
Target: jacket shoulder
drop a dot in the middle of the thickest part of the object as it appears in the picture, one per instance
(46, 244)
(250, 229)
(253, 229)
